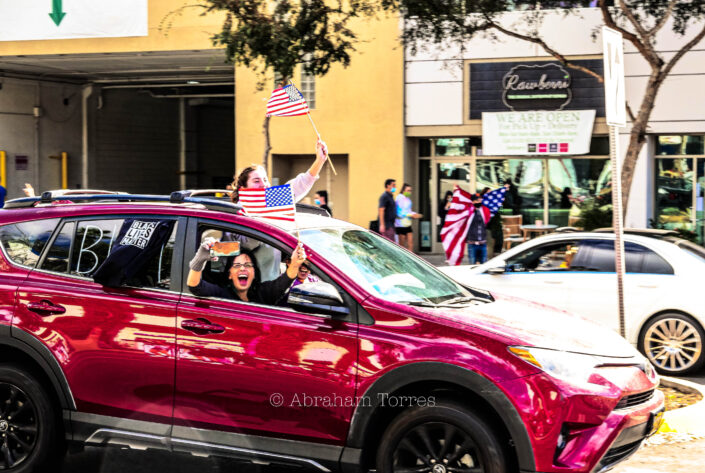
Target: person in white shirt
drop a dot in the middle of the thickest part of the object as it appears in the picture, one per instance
(255, 177)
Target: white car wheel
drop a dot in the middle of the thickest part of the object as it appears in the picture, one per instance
(673, 343)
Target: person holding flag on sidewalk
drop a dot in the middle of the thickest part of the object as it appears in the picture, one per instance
(466, 221)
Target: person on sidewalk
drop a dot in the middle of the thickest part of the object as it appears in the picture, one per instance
(321, 200)
(387, 210)
(466, 223)
(402, 224)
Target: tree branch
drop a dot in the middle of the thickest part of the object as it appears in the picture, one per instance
(692, 43)
(630, 112)
(531, 39)
(648, 53)
(663, 20)
(632, 19)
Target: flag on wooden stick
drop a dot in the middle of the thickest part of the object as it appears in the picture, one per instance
(275, 202)
(286, 101)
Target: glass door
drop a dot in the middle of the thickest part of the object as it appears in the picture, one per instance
(448, 175)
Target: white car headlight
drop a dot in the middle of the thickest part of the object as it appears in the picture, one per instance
(573, 367)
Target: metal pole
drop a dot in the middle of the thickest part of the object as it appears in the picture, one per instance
(64, 170)
(3, 169)
(617, 221)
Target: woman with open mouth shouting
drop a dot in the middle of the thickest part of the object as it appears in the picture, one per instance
(244, 278)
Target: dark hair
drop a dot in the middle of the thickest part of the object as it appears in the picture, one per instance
(448, 194)
(406, 184)
(254, 288)
(241, 181)
(484, 191)
(324, 194)
(388, 181)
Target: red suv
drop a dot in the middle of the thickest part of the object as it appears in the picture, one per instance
(378, 361)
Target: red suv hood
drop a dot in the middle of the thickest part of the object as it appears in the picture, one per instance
(532, 324)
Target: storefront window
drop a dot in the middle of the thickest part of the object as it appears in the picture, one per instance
(424, 148)
(575, 184)
(674, 192)
(453, 147)
(525, 196)
(680, 145)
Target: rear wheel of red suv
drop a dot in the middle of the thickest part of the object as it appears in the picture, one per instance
(28, 424)
(439, 439)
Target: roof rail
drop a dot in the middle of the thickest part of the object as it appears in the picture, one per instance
(177, 197)
(214, 193)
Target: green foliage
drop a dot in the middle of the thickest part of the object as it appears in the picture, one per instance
(682, 232)
(594, 216)
(439, 21)
(279, 35)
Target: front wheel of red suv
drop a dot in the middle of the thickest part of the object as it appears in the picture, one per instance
(28, 424)
(439, 439)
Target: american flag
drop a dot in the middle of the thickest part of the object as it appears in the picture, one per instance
(286, 101)
(273, 202)
(457, 223)
(493, 200)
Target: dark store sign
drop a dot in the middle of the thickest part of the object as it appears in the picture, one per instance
(540, 87)
(534, 85)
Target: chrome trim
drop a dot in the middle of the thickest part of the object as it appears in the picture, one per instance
(134, 440)
(248, 453)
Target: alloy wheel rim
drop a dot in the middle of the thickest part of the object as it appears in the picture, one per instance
(19, 427)
(673, 344)
(437, 447)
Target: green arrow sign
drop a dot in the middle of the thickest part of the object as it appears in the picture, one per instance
(57, 14)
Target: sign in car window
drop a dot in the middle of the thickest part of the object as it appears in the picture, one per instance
(565, 132)
(68, 19)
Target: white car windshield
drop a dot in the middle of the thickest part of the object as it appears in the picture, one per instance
(383, 268)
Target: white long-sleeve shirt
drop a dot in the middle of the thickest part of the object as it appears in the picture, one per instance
(268, 257)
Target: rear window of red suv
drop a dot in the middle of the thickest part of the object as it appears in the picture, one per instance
(23, 242)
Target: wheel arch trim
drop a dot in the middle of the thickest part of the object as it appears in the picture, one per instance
(412, 373)
(32, 347)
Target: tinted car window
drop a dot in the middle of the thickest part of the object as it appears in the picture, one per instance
(92, 245)
(638, 258)
(57, 258)
(651, 263)
(81, 247)
(23, 242)
(551, 257)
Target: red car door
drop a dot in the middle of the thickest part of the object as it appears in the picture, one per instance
(116, 346)
(262, 370)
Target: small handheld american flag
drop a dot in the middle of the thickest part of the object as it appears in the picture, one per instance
(286, 101)
(273, 202)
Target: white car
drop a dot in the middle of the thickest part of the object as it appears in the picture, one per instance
(663, 291)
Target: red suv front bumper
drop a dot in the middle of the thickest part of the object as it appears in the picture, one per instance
(588, 428)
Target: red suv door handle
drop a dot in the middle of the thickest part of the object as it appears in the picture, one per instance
(201, 326)
(46, 308)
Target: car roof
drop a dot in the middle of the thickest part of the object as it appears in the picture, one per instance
(58, 204)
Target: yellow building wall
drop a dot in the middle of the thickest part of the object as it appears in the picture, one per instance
(359, 112)
(188, 30)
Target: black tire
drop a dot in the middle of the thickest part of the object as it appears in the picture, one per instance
(414, 442)
(673, 343)
(29, 426)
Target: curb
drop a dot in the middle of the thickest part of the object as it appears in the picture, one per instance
(689, 419)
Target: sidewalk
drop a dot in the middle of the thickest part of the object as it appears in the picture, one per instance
(686, 420)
